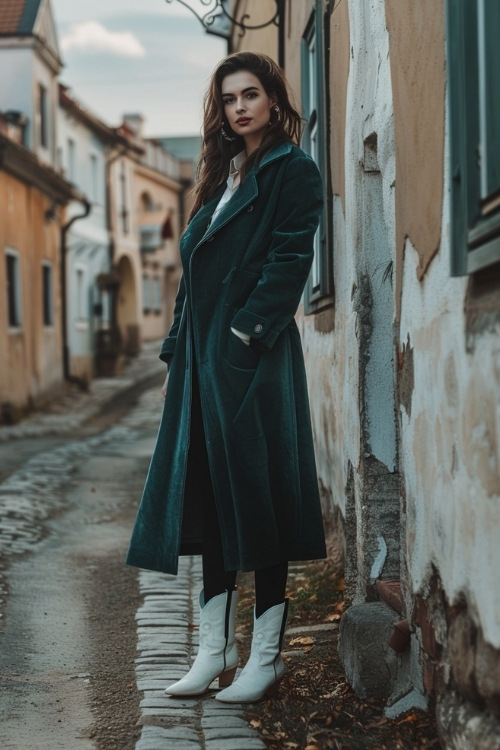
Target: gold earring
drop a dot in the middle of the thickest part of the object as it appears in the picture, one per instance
(278, 115)
(225, 135)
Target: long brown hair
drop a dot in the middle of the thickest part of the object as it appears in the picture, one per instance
(216, 153)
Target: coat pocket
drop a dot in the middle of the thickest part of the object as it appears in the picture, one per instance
(240, 355)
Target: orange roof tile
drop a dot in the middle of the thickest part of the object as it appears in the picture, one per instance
(10, 15)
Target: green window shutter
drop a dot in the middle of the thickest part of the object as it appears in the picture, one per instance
(319, 289)
(474, 109)
(492, 94)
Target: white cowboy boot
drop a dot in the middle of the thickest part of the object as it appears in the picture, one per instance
(217, 653)
(262, 674)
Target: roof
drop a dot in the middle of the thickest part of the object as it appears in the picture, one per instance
(32, 18)
(69, 103)
(18, 16)
(20, 162)
(185, 148)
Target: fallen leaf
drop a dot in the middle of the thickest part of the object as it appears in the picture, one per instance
(306, 641)
(255, 723)
(340, 585)
(407, 719)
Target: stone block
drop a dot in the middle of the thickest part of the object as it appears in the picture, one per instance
(488, 674)
(463, 726)
(461, 655)
(370, 665)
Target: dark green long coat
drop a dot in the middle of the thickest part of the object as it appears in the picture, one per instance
(246, 270)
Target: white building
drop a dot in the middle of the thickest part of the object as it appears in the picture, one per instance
(30, 64)
(84, 147)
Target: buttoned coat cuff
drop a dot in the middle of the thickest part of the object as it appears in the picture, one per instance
(167, 351)
(256, 326)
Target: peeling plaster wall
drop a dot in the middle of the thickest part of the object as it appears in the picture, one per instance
(450, 442)
(351, 370)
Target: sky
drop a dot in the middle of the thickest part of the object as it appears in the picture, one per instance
(137, 56)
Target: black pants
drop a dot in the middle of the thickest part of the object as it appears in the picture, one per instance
(270, 583)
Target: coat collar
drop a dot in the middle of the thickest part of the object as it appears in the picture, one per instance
(246, 192)
(283, 149)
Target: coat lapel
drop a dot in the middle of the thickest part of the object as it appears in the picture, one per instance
(243, 197)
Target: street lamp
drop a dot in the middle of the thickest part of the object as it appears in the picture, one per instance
(216, 19)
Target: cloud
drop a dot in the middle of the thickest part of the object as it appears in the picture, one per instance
(93, 36)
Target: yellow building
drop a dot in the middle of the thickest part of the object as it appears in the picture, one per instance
(32, 211)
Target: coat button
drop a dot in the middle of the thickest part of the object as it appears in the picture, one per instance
(249, 208)
(258, 328)
(210, 239)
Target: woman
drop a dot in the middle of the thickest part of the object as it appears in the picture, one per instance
(233, 475)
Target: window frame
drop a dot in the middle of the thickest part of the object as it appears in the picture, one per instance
(94, 191)
(72, 159)
(475, 230)
(146, 294)
(47, 293)
(156, 294)
(43, 116)
(82, 312)
(319, 291)
(13, 296)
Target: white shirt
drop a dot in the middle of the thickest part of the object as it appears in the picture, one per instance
(233, 182)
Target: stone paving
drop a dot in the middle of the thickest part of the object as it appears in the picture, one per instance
(167, 643)
(168, 618)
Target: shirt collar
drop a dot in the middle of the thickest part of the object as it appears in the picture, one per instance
(237, 161)
(234, 167)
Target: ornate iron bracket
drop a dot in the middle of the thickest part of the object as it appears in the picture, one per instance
(211, 10)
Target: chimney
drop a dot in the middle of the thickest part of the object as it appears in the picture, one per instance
(136, 124)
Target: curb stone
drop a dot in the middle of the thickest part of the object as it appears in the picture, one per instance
(165, 655)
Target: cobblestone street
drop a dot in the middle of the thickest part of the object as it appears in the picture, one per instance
(65, 518)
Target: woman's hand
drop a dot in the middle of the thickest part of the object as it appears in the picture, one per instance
(164, 387)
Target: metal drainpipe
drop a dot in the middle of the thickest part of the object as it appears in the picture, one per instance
(64, 307)
(110, 160)
(281, 33)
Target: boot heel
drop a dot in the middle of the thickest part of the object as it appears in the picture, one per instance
(273, 690)
(226, 678)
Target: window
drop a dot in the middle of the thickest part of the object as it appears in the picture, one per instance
(147, 203)
(146, 295)
(123, 211)
(47, 294)
(156, 294)
(43, 116)
(81, 296)
(319, 290)
(71, 160)
(94, 179)
(13, 278)
(474, 107)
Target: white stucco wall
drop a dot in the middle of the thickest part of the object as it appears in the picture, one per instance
(332, 358)
(87, 241)
(450, 444)
(16, 79)
(22, 72)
